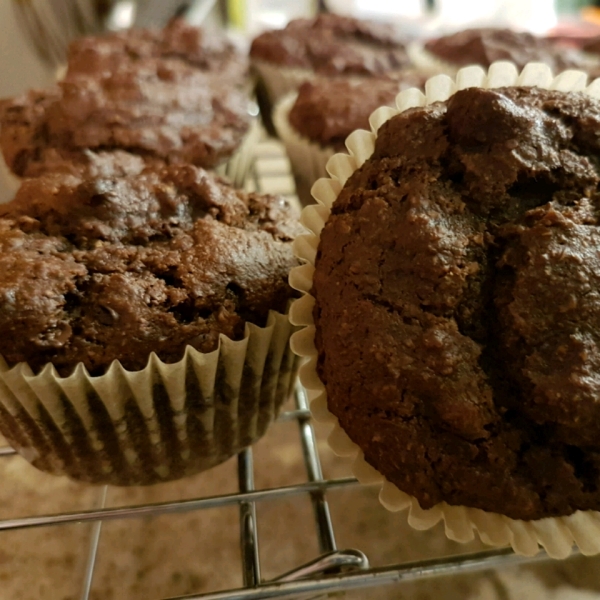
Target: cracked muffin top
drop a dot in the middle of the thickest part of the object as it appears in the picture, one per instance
(483, 46)
(180, 116)
(178, 42)
(457, 290)
(94, 270)
(333, 45)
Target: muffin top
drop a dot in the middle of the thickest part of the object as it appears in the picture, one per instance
(485, 45)
(327, 111)
(108, 269)
(87, 163)
(333, 45)
(178, 42)
(165, 111)
(457, 290)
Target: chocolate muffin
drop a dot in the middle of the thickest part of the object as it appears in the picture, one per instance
(324, 47)
(142, 322)
(112, 268)
(333, 45)
(483, 46)
(328, 111)
(456, 303)
(178, 42)
(161, 111)
(315, 124)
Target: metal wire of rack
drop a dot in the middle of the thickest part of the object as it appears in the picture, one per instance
(332, 570)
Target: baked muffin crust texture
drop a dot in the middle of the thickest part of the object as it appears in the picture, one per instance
(173, 95)
(327, 111)
(333, 45)
(178, 42)
(170, 114)
(485, 45)
(107, 268)
(457, 290)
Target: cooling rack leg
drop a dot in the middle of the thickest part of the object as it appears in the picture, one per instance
(248, 531)
(93, 550)
(313, 468)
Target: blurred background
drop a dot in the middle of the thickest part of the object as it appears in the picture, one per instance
(22, 67)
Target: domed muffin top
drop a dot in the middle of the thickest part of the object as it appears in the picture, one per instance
(102, 269)
(483, 46)
(333, 45)
(327, 111)
(457, 290)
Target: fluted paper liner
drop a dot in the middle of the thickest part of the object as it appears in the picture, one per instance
(308, 159)
(237, 166)
(556, 534)
(8, 179)
(164, 422)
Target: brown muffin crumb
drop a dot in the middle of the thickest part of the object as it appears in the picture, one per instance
(108, 269)
(457, 305)
(328, 111)
(483, 46)
(172, 95)
(177, 42)
(332, 45)
(173, 115)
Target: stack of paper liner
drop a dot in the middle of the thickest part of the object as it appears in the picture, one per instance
(556, 535)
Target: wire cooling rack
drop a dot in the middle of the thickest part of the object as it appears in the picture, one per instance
(332, 570)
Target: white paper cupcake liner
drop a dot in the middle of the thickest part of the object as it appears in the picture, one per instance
(164, 422)
(308, 159)
(238, 166)
(9, 182)
(556, 535)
